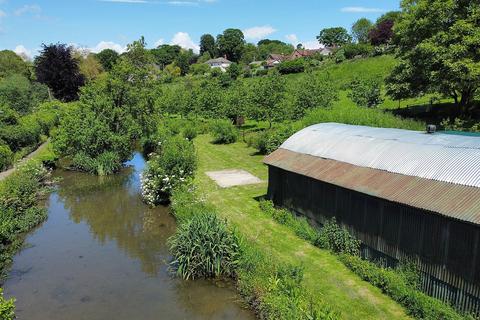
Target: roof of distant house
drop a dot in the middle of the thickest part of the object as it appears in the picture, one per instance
(218, 60)
(276, 56)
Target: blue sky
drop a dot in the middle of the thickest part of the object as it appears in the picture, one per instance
(98, 24)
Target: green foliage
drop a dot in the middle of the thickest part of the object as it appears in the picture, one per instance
(6, 156)
(165, 54)
(337, 239)
(208, 99)
(366, 92)
(353, 50)
(234, 71)
(270, 140)
(105, 163)
(107, 58)
(339, 55)
(291, 66)
(19, 196)
(11, 63)
(224, 132)
(7, 307)
(267, 96)
(230, 43)
(392, 283)
(266, 47)
(360, 30)
(335, 36)
(172, 166)
(190, 132)
(438, 47)
(17, 92)
(310, 92)
(204, 247)
(207, 45)
(199, 69)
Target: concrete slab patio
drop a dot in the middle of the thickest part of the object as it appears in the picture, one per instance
(232, 177)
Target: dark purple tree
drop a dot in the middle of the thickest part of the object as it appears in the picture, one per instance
(58, 69)
(382, 33)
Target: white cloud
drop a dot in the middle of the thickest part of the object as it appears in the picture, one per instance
(102, 45)
(28, 9)
(23, 52)
(159, 42)
(292, 38)
(361, 10)
(183, 40)
(258, 32)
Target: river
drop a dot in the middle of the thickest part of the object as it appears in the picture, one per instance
(103, 254)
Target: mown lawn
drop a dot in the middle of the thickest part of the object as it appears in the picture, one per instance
(324, 274)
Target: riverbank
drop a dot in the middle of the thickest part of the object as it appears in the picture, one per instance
(325, 275)
(38, 151)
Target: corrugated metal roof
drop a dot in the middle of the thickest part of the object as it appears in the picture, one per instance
(451, 200)
(441, 157)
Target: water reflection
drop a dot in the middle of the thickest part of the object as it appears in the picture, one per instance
(102, 254)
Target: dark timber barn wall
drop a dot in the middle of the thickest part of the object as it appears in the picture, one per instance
(446, 249)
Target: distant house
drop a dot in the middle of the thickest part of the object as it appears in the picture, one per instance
(275, 59)
(221, 63)
(309, 53)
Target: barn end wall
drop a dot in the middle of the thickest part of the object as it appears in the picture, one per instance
(446, 250)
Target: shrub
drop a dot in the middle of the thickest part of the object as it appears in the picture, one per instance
(7, 307)
(5, 157)
(417, 304)
(173, 166)
(270, 140)
(190, 132)
(204, 247)
(224, 132)
(339, 56)
(292, 66)
(366, 92)
(104, 164)
(338, 239)
(353, 50)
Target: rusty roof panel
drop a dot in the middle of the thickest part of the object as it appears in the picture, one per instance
(452, 200)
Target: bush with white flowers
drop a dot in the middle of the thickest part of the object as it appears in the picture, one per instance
(172, 166)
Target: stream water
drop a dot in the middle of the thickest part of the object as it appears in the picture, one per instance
(102, 254)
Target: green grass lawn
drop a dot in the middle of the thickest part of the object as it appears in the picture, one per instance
(324, 274)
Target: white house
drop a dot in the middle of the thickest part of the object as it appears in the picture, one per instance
(221, 63)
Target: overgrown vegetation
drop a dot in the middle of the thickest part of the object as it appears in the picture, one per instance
(401, 284)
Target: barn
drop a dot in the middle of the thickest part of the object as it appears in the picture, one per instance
(404, 194)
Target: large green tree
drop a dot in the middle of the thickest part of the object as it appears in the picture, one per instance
(230, 44)
(207, 44)
(11, 63)
(166, 54)
(439, 43)
(266, 99)
(335, 36)
(59, 70)
(360, 30)
(107, 58)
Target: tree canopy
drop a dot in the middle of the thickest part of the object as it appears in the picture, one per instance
(107, 58)
(58, 69)
(11, 63)
(438, 44)
(207, 44)
(230, 43)
(335, 36)
(361, 29)
(166, 54)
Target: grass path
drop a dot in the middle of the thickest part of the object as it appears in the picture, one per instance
(324, 274)
(31, 155)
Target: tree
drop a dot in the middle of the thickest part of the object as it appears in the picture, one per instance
(234, 71)
(184, 60)
(311, 92)
(390, 15)
(58, 69)
(366, 92)
(107, 58)
(166, 54)
(266, 47)
(207, 44)
(231, 44)
(11, 63)
(89, 66)
(381, 33)
(361, 29)
(438, 46)
(18, 93)
(267, 95)
(334, 37)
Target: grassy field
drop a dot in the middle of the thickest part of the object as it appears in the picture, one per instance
(324, 274)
